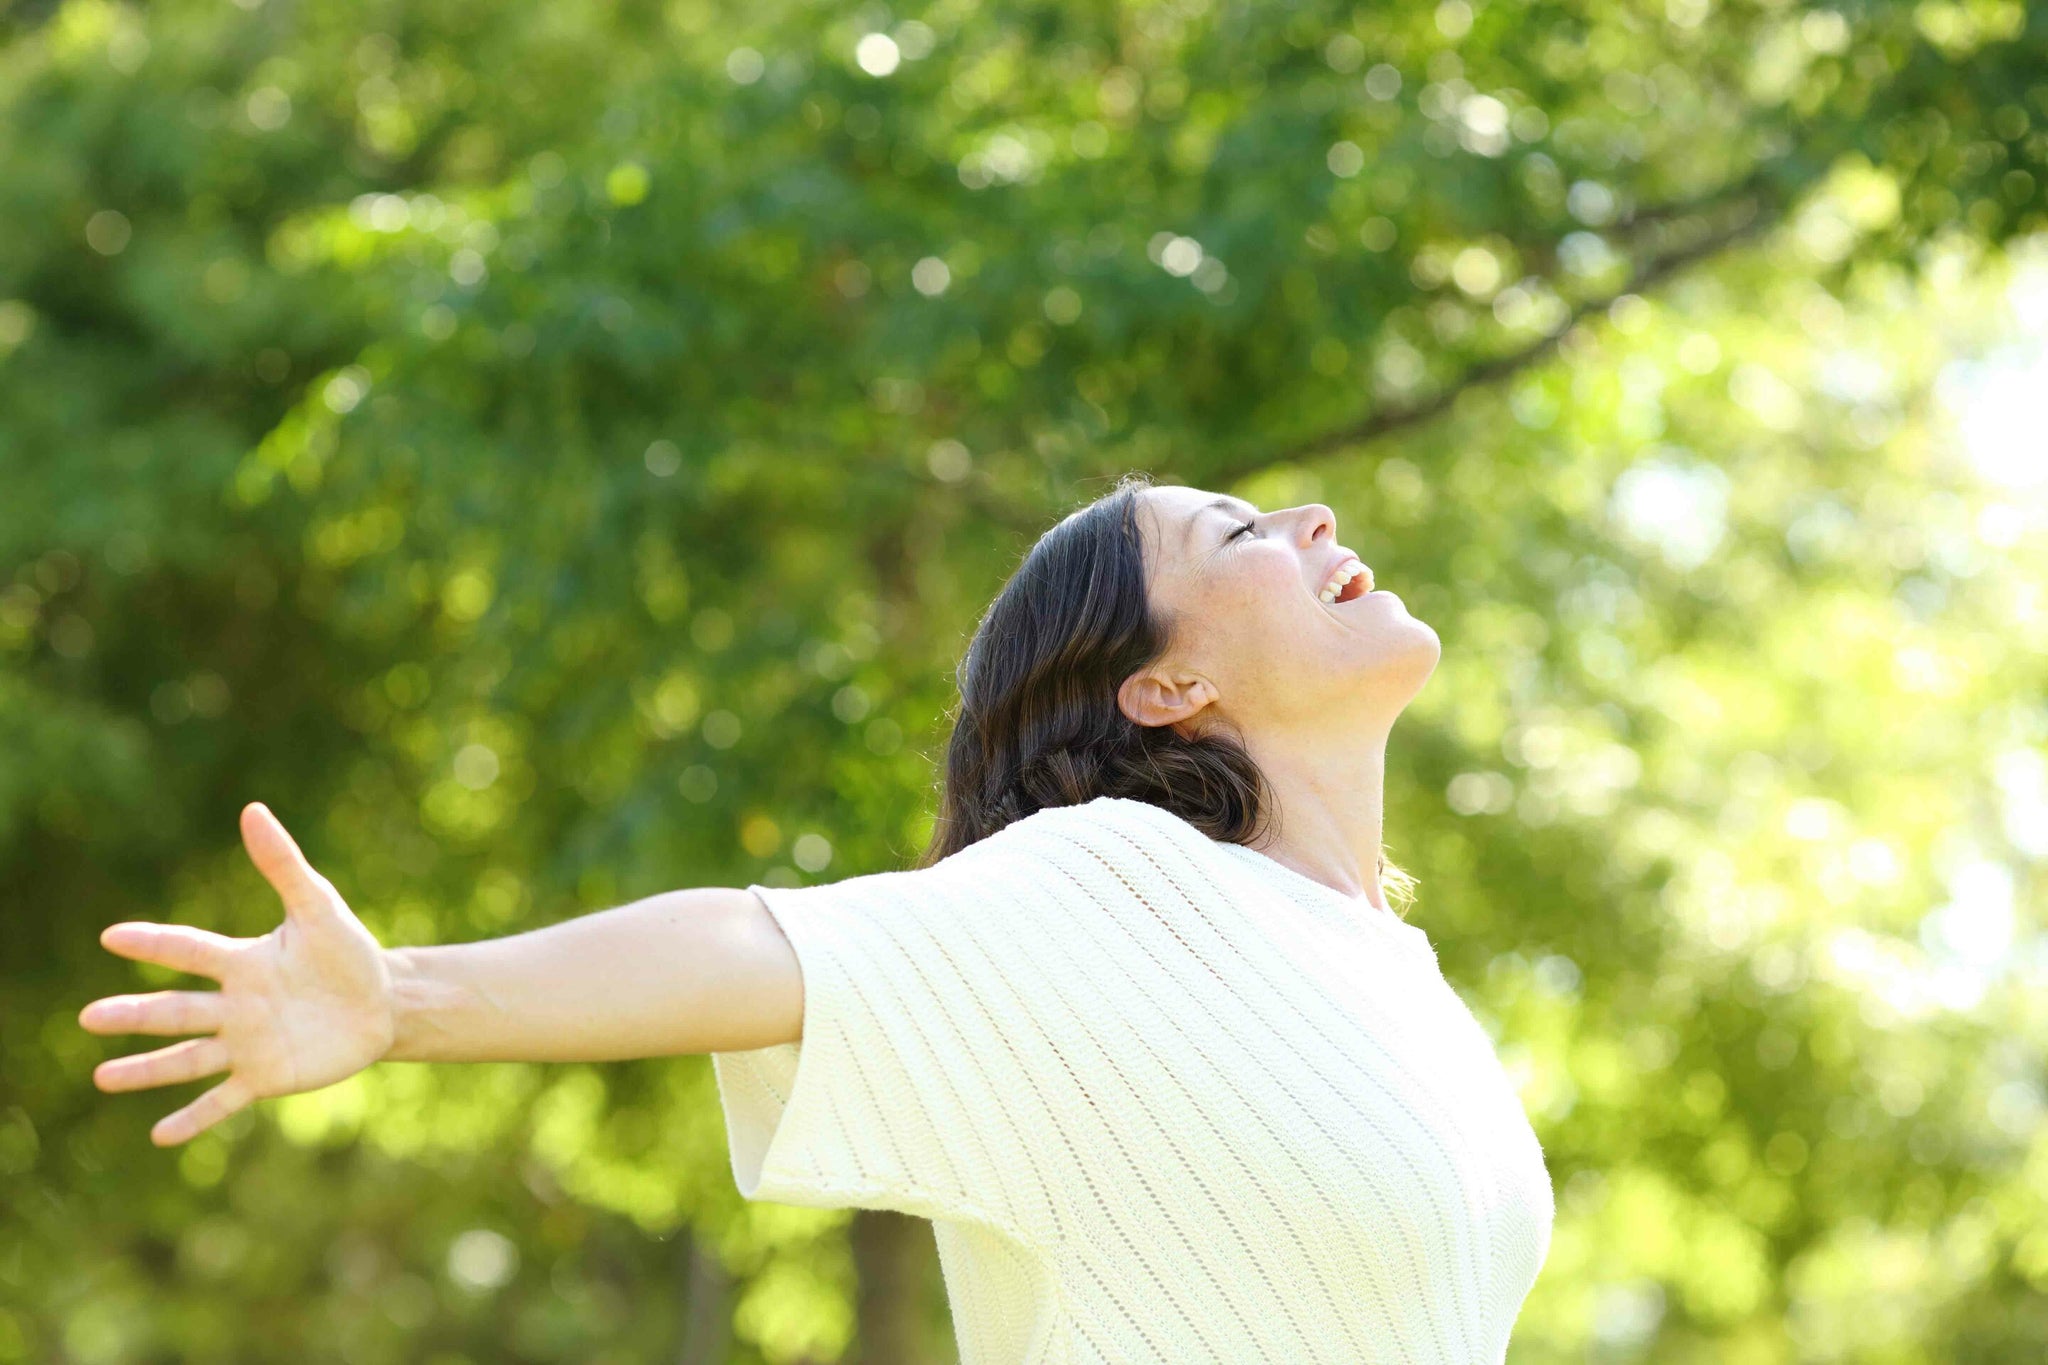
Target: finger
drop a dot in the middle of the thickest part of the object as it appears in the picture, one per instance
(159, 1012)
(195, 1118)
(277, 856)
(179, 946)
(173, 1065)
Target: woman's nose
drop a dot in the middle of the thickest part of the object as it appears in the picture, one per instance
(1317, 519)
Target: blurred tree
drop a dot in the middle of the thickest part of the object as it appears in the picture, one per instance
(555, 454)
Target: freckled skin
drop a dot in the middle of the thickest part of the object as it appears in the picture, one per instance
(1312, 690)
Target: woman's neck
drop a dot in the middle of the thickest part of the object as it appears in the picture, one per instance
(1328, 814)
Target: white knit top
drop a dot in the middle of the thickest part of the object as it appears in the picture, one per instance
(1163, 1098)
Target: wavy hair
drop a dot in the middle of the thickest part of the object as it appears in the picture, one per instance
(1037, 723)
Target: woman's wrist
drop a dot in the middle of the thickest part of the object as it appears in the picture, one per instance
(420, 1005)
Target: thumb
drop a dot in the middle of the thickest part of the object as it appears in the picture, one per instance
(278, 858)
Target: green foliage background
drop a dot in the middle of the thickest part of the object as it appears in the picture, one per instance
(555, 453)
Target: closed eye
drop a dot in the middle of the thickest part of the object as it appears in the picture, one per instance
(1241, 529)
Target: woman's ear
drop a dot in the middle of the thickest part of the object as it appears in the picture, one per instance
(1151, 698)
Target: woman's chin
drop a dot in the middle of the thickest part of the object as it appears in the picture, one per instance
(1390, 615)
(1412, 652)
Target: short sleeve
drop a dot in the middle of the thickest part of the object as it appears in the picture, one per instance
(928, 1002)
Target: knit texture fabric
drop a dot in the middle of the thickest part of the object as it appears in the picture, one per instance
(1162, 1097)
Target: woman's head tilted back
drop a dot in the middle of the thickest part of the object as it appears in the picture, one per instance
(1149, 645)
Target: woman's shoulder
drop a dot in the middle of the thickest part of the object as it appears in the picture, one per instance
(1102, 814)
(1108, 831)
(1103, 825)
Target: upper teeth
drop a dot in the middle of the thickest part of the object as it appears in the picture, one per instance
(1346, 571)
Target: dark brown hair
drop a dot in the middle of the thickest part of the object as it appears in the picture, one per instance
(1037, 723)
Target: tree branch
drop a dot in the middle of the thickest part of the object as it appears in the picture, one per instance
(1755, 187)
(1749, 217)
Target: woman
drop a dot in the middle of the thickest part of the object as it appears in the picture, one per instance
(1140, 1034)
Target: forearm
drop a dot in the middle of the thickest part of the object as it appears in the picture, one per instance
(702, 970)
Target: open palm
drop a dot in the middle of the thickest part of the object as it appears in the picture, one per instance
(301, 1007)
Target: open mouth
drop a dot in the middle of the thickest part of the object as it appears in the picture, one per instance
(1356, 586)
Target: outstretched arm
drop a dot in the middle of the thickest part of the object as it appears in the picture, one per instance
(686, 971)
(318, 999)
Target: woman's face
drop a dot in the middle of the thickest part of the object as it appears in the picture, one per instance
(1253, 641)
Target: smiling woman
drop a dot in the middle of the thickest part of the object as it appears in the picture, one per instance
(1140, 1033)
